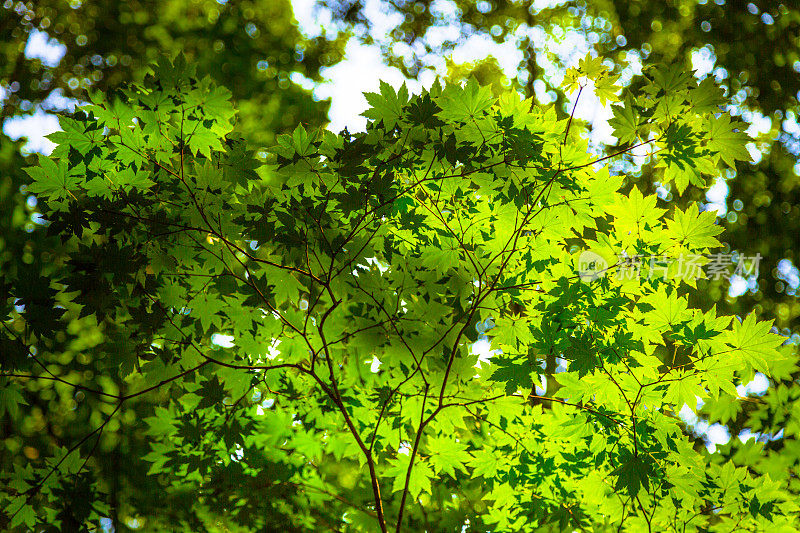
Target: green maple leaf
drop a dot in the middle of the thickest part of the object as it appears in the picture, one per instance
(239, 163)
(668, 309)
(625, 121)
(684, 389)
(421, 476)
(208, 176)
(205, 307)
(212, 393)
(204, 140)
(512, 330)
(114, 113)
(236, 381)
(215, 102)
(632, 474)
(694, 230)
(53, 181)
(668, 79)
(309, 445)
(516, 375)
(485, 463)
(686, 170)
(131, 148)
(386, 107)
(463, 105)
(636, 212)
(727, 139)
(81, 135)
(724, 409)
(707, 96)
(162, 423)
(447, 455)
(684, 158)
(129, 178)
(23, 513)
(755, 342)
(287, 290)
(606, 89)
(173, 73)
(592, 67)
(10, 400)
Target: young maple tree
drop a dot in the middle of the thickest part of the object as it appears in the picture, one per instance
(306, 327)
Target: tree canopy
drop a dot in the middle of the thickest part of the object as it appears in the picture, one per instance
(748, 48)
(751, 50)
(92, 337)
(306, 328)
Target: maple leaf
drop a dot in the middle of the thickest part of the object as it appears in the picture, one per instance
(10, 400)
(707, 96)
(755, 342)
(420, 480)
(53, 181)
(81, 135)
(635, 212)
(727, 139)
(386, 106)
(694, 230)
(447, 455)
(516, 375)
(667, 309)
(668, 79)
(632, 474)
(625, 121)
(463, 105)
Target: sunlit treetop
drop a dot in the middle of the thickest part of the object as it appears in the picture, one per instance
(310, 323)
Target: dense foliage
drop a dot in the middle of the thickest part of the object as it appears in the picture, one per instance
(306, 328)
(255, 48)
(749, 48)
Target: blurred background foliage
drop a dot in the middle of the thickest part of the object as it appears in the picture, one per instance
(256, 49)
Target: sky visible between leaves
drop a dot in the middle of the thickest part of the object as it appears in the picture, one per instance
(363, 68)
